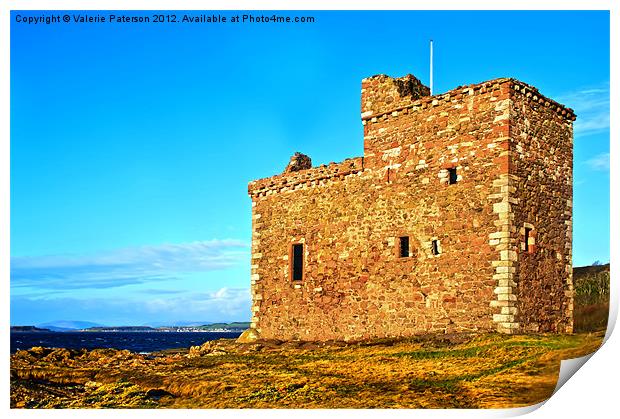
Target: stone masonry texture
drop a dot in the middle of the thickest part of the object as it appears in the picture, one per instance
(457, 218)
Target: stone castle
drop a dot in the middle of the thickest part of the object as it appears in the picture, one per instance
(458, 218)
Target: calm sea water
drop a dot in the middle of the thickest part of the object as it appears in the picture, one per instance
(134, 341)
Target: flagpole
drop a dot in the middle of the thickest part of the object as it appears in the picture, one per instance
(431, 69)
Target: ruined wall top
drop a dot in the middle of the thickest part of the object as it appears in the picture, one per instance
(309, 177)
(384, 97)
(382, 93)
(299, 161)
(461, 92)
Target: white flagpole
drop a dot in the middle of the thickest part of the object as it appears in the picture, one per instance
(431, 86)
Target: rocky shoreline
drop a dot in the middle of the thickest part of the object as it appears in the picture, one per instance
(426, 371)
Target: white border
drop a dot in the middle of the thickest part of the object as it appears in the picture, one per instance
(593, 393)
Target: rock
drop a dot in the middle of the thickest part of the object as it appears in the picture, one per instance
(39, 351)
(157, 393)
(58, 355)
(249, 336)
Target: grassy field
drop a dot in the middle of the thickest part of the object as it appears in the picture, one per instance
(434, 371)
(427, 372)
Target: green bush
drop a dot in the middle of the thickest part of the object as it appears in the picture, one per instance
(591, 304)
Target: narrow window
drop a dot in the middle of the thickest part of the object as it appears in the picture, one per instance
(452, 176)
(435, 247)
(298, 262)
(528, 232)
(404, 247)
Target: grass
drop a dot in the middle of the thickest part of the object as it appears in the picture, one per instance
(481, 371)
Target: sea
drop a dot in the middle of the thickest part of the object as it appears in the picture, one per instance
(141, 342)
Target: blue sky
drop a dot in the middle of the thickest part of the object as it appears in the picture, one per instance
(132, 144)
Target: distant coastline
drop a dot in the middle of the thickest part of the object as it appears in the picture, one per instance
(207, 328)
(31, 329)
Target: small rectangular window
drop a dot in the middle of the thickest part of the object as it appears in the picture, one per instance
(404, 247)
(528, 232)
(452, 177)
(298, 262)
(435, 247)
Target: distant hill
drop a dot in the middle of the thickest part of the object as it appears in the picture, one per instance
(201, 325)
(68, 325)
(228, 326)
(76, 325)
(178, 323)
(582, 271)
(28, 329)
(120, 329)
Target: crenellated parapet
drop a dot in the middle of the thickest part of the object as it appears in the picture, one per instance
(423, 102)
(290, 181)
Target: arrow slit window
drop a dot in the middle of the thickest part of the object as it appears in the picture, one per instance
(297, 267)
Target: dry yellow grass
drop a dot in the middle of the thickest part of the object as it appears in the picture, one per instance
(487, 371)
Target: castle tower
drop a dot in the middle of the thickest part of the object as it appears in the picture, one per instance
(457, 218)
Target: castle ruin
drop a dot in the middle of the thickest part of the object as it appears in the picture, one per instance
(457, 218)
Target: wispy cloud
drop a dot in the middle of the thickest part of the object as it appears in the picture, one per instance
(224, 304)
(228, 302)
(599, 162)
(154, 291)
(592, 107)
(133, 265)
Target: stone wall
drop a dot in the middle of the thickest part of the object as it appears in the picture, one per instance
(542, 165)
(382, 93)
(439, 171)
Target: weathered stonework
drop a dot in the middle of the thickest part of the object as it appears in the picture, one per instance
(425, 233)
(298, 162)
